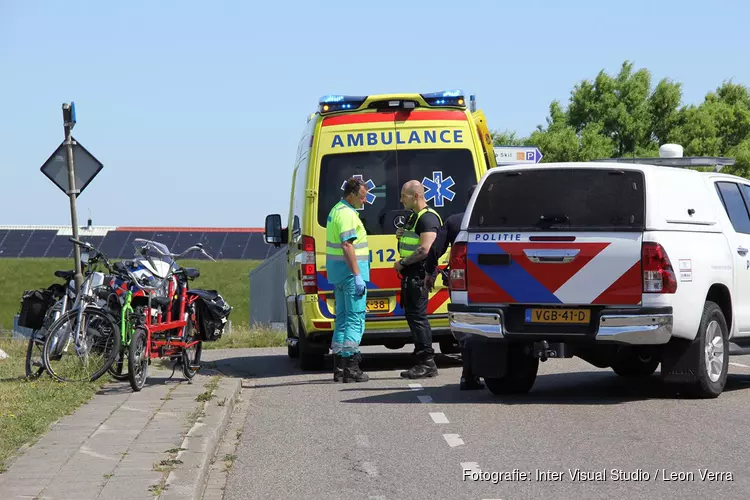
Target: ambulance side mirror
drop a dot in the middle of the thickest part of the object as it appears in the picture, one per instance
(274, 233)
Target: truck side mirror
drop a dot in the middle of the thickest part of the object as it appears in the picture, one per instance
(274, 234)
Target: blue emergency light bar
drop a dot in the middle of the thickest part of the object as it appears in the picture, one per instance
(445, 98)
(331, 103)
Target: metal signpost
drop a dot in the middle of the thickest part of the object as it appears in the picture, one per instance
(60, 168)
(510, 155)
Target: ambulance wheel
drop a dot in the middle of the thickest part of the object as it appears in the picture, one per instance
(311, 361)
(311, 356)
(291, 350)
(520, 375)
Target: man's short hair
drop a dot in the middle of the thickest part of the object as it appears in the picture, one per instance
(352, 185)
(471, 191)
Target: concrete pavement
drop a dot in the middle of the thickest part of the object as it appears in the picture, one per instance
(156, 443)
(308, 438)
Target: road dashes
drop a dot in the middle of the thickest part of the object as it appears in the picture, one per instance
(453, 440)
(425, 399)
(739, 365)
(470, 466)
(439, 418)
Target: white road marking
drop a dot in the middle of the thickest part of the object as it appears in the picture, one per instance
(739, 364)
(425, 399)
(415, 387)
(439, 418)
(363, 441)
(370, 468)
(472, 466)
(453, 440)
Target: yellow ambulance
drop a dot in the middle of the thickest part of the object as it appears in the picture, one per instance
(437, 138)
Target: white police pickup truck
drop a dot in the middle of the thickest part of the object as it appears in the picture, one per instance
(624, 263)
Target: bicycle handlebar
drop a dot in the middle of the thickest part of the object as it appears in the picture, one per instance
(195, 247)
(130, 275)
(89, 246)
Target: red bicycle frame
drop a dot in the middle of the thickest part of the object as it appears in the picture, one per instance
(157, 348)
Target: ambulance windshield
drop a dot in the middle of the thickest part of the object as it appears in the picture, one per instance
(446, 173)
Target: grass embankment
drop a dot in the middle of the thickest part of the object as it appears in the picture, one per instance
(28, 407)
(229, 277)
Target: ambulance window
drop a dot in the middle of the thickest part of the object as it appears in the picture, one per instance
(376, 166)
(574, 199)
(449, 172)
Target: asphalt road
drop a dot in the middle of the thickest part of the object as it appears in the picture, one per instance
(308, 438)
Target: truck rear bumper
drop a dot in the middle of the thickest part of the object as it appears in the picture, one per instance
(641, 326)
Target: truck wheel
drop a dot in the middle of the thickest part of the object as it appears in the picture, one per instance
(449, 346)
(520, 375)
(713, 355)
(636, 363)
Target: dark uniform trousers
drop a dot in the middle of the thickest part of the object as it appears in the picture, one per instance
(414, 298)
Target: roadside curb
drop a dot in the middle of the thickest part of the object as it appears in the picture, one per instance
(187, 480)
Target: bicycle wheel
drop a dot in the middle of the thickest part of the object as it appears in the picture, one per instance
(35, 350)
(118, 369)
(191, 357)
(86, 356)
(138, 358)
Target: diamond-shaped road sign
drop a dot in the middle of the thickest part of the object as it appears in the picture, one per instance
(85, 165)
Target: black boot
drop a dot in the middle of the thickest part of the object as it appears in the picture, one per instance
(338, 372)
(352, 371)
(424, 368)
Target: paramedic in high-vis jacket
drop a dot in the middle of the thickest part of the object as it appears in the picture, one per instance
(348, 267)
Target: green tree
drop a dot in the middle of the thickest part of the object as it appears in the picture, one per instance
(621, 115)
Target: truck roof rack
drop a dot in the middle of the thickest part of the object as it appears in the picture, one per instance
(717, 162)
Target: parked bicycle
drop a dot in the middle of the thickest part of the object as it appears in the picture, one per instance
(82, 344)
(160, 316)
(39, 310)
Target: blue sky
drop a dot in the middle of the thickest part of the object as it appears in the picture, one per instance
(209, 98)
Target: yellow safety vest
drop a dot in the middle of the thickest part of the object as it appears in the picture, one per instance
(343, 224)
(409, 242)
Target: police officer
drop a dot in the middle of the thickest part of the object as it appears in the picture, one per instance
(348, 267)
(447, 236)
(415, 240)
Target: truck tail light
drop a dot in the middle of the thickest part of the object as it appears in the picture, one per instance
(458, 266)
(658, 275)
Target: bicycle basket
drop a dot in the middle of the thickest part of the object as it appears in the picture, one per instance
(212, 313)
(34, 306)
